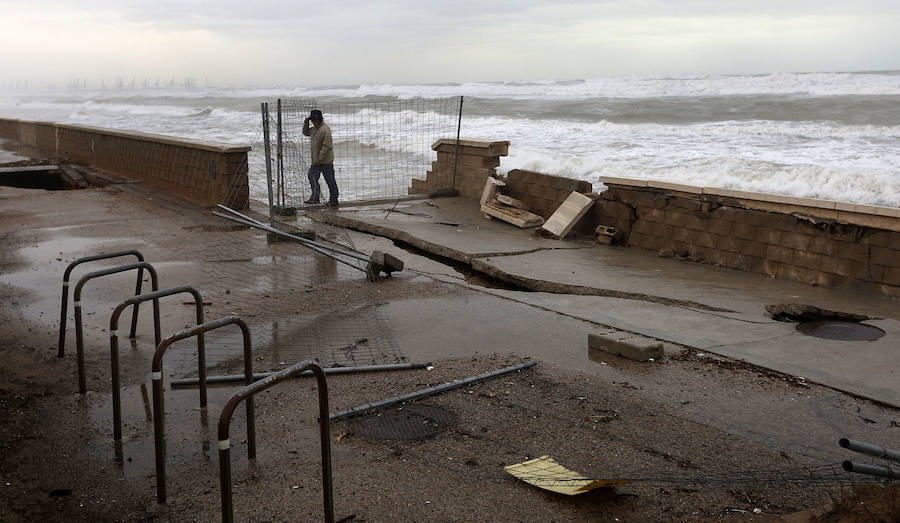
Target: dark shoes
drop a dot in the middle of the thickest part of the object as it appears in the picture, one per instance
(333, 205)
(312, 201)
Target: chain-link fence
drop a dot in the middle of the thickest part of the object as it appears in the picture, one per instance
(379, 146)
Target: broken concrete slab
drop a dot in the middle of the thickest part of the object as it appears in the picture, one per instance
(512, 202)
(517, 217)
(491, 189)
(627, 345)
(567, 215)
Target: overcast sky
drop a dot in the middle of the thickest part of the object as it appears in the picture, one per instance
(266, 42)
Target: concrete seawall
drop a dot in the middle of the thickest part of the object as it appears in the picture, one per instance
(817, 242)
(205, 173)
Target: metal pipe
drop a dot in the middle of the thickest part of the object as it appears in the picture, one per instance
(231, 378)
(159, 427)
(280, 157)
(65, 292)
(267, 146)
(458, 128)
(247, 393)
(430, 391)
(313, 247)
(883, 471)
(869, 450)
(352, 254)
(76, 297)
(114, 347)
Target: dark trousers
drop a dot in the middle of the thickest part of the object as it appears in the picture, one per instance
(327, 170)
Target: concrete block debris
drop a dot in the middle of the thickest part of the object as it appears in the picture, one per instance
(568, 214)
(492, 207)
(544, 472)
(512, 202)
(627, 345)
(605, 235)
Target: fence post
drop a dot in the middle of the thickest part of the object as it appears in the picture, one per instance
(456, 155)
(268, 151)
(280, 159)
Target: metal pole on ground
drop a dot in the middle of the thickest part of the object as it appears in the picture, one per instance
(268, 151)
(430, 391)
(231, 378)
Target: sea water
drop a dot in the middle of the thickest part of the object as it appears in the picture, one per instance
(822, 135)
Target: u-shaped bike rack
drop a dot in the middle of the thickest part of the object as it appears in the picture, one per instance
(79, 335)
(247, 394)
(65, 292)
(159, 428)
(114, 347)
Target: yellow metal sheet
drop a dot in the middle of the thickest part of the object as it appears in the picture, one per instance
(546, 473)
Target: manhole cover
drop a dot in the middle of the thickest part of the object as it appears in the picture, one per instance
(410, 422)
(840, 330)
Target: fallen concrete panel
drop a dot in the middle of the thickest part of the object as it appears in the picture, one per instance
(518, 217)
(568, 214)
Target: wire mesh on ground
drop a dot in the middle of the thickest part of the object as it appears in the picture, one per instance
(609, 439)
(379, 146)
(263, 283)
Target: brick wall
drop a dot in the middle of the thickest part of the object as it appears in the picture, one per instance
(202, 172)
(478, 159)
(810, 241)
(542, 193)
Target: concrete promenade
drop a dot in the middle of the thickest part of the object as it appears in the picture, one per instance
(712, 309)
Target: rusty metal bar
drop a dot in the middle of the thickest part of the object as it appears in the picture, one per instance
(229, 378)
(430, 391)
(247, 393)
(114, 347)
(159, 424)
(65, 292)
(76, 297)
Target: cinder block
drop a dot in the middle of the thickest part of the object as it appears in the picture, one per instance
(780, 254)
(637, 348)
(807, 260)
(728, 243)
(675, 218)
(752, 248)
(793, 240)
(884, 256)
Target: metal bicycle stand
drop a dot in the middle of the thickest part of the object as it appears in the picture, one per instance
(159, 427)
(79, 329)
(247, 394)
(114, 349)
(65, 292)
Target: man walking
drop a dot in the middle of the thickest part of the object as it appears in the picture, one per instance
(322, 161)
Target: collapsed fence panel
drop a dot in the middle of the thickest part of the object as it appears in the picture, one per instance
(65, 292)
(247, 394)
(159, 424)
(79, 329)
(114, 349)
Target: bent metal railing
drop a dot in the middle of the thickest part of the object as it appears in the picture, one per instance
(114, 348)
(65, 292)
(159, 422)
(79, 330)
(247, 394)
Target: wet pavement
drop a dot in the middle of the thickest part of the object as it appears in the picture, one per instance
(698, 306)
(300, 305)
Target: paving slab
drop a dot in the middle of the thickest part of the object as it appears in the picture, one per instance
(709, 308)
(449, 227)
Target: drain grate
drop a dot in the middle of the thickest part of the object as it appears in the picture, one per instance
(840, 330)
(413, 421)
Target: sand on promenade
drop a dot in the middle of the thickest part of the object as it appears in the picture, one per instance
(680, 427)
